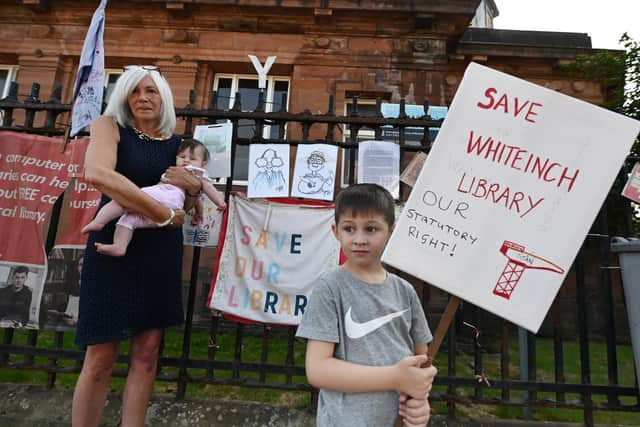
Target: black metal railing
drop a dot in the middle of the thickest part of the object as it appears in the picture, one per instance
(478, 365)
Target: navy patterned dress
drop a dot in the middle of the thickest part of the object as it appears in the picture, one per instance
(123, 296)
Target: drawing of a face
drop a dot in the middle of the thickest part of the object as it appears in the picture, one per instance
(269, 160)
(316, 161)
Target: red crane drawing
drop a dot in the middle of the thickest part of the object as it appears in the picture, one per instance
(519, 260)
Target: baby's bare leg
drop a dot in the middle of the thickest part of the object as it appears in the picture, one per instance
(108, 212)
(121, 238)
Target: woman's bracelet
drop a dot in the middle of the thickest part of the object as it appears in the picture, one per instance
(172, 215)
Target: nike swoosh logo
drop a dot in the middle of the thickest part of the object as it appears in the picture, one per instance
(356, 330)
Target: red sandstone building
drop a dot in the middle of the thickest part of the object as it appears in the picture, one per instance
(371, 48)
(387, 49)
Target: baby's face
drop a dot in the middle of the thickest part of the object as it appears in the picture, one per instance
(191, 158)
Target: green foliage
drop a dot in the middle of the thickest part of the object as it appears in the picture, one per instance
(619, 74)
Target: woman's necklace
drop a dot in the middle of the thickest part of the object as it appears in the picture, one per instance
(146, 137)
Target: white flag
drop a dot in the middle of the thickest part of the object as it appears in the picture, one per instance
(87, 91)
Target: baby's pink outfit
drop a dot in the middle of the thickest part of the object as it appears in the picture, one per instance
(167, 194)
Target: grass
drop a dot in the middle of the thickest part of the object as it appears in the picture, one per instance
(545, 372)
(252, 348)
(251, 352)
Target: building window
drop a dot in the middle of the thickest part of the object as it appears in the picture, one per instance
(226, 86)
(412, 136)
(366, 108)
(7, 75)
(110, 78)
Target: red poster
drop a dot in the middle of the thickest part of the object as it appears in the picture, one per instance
(80, 202)
(33, 173)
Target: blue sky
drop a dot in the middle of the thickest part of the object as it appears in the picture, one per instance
(603, 20)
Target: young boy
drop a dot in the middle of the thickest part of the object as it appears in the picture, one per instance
(363, 325)
(191, 153)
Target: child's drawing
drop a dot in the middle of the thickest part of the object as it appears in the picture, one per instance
(314, 175)
(268, 170)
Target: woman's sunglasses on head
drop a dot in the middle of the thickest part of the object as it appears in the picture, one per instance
(141, 67)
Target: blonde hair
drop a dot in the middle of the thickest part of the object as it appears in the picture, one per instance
(118, 106)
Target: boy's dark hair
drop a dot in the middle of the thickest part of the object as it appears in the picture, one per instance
(365, 198)
(21, 269)
(191, 144)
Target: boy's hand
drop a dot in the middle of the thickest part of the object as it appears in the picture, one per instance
(414, 412)
(413, 380)
(222, 206)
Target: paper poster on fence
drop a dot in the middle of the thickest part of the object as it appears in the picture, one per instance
(315, 171)
(217, 139)
(508, 193)
(61, 292)
(272, 254)
(631, 189)
(379, 163)
(20, 293)
(268, 170)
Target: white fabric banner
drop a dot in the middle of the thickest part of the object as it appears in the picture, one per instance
(271, 256)
(503, 203)
(89, 86)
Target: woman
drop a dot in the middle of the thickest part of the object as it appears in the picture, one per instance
(139, 294)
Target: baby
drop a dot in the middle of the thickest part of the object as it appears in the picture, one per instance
(193, 155)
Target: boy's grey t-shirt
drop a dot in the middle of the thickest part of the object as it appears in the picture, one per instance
(371, 324)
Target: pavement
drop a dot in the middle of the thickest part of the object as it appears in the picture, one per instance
(34, 406)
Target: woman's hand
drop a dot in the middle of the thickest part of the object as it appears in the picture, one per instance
(178, 218)
(182, 178)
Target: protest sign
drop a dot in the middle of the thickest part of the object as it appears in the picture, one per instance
(259, 275)
(514, 181)
(203, 231)
(33, 174)
(631, 189)
(81, 201)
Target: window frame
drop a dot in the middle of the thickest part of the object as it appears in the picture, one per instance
(12, 73)
(363, 135)
(108, 72)
(270, 90)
